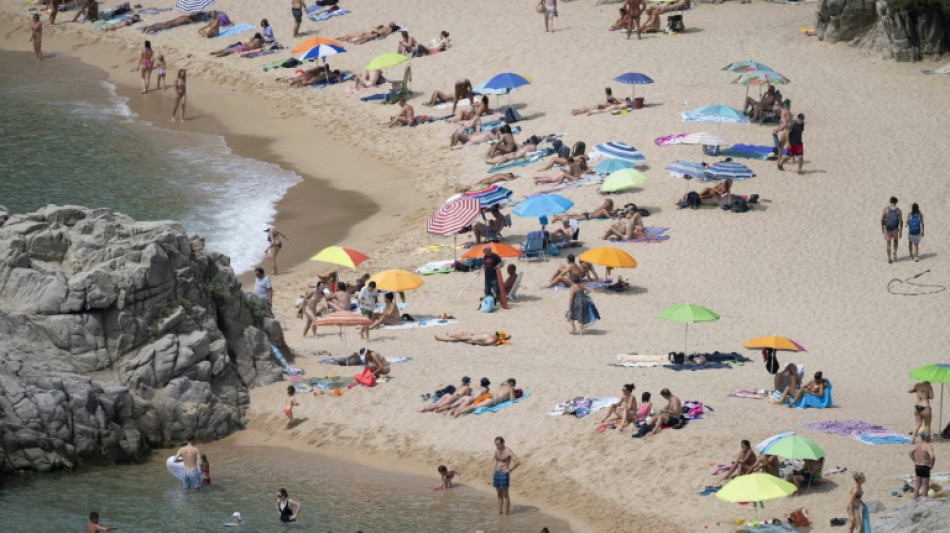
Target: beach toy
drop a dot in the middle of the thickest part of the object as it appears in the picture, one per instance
(738, 521)
(336, 392)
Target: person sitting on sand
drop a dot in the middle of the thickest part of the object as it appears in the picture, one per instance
(339, 300)
(376, 363)
(123, 23)
(212, 28)
(745, 462)
(604, 210)
(467, 118)
(463, 90)
(407, 44)
(506, 392)
(492, 228)
(788, 378)
(464, 389)
(509, 284)
(754, 108)
(369, 79)
(174, 23)
(671, 415)
(388, 317)
(622, 21)
(89, 10)
(529, 146)
(624, 409)
(442, 42)
(811, 471)
(610, 100)
(654, 11)
(476, 339)
(254, 43)
(626, 228)
(405, 117)
(505, 145)
(767, 464)
(463, 139)
(816, 386)
(563, 273)
(383, 30)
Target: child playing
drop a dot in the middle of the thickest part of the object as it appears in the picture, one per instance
(447, 477)
(205, 470)
(289, 406)
(160, 66)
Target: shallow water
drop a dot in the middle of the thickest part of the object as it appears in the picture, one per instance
(335, 496)
(67, 138)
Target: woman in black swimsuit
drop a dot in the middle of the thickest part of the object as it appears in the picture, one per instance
(923, 415)
(288, 509)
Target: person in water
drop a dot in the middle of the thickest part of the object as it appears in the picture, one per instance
(189, 456)
(93, 525)
(288, 508)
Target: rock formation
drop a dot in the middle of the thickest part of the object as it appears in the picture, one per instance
(117, 336)
(920, 516)
(905, 34)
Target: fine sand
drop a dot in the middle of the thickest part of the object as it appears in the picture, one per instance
(805, 263)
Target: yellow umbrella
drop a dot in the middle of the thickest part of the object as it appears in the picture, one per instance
(755, 488)
(774, 342)
(340, 256)
(609, 257)
(385, 61)
(396, 280)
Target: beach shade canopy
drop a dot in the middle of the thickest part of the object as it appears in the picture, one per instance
(321, 50)
(774, 342)
(453, 216)
(633, 79)
(611, 165)
(935, 373)
(310, 42)
(396, 281)
(795, 447)
(542, 205)
(385, 61)
(608, 257)
(488, 196)
(755, 488)
(622, 151)
(192, 6)
(340, 256)
(760, 77)
(687, 313)
(624, 179)
(506, 81)
(715, 114)
(703, 138)
(500, 249)
(729, 169)
(745, 66)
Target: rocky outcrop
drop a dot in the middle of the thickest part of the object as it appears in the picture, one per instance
(920, 516)
(904, 34)
(117, 336)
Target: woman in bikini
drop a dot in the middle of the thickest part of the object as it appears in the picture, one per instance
(506, 145)
(529, 146)
(609, 101)
(625, 409)
(604, 210)
(274, 238)
(254, 43)
(212, 28)
(313, 305)
(145, 66)
(484, 393)
(289, 406)
(576, 167)
(856, 505)
(465, 389)
(180, 96)
(923, 415)
(815, 387)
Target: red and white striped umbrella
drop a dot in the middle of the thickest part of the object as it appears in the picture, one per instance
(453, 216)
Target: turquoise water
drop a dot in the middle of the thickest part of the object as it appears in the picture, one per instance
(67, 138)
(336, 496)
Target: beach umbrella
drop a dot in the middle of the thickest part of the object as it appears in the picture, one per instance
(755, 488)
(774, 342)
(715, 114)
(794, 447)
(687, 313)
(488, 196)
(192, 6)
(396, 281)
(385, 61)
(688, 170)
(343, 319)
(609, 257)
(500, 249)
(633, 79)
(761, 77)
(623, 180)
(452, 217)
(340, 256)
(610, 165)
(745, 66)
(729, 169)
(935, 373)
(506, 81)
(542, 205)
(622, 151)
(704, 139)
(321, 50)
(310, 42)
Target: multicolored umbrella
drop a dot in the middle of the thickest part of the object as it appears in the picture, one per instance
(542, 205)
(340, 256)
(760, 77)
(795, 447)
(746, 66)
(688, 313)
(396, 281)
(634, 79)
(610, 165)
(755, 488)
(310, 42)
(385, 61)
(500, 249)
(622, 151)
(622, 180)
(488, 196)
(453, 216)
(321, 50)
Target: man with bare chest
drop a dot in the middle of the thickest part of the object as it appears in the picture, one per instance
(505, 463)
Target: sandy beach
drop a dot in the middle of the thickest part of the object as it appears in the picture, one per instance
(804, 263)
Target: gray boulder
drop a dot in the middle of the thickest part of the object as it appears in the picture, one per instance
(905, 34)
(118, 336)
(920, 516)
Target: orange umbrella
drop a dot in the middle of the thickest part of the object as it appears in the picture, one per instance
(310, 42)
(502, 250)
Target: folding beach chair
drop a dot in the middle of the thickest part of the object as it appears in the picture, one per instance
(513, 293)
(400, 88)
(533, 245)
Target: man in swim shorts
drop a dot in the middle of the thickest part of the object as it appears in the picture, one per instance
(796, 150)
(190, 456)
(672, 414)
(923, 457)
(505, 464)
(296, 9)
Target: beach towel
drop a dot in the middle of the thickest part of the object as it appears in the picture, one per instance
(742, 393)
(109, 23)
(648, 235)
(436, 267)
(669, 140)
(422, 322)
(345, 76)
(289, 370)
(338, 360)
(816, 402)
(426, 119)
(499, 407)
(942, 70)
(749, 151)
(446, 105)
(713, 361)
(327, 14)
(886, 437)
(273, 65)
(233, 30)
(637, 358)
(373, 97)
(266, 50)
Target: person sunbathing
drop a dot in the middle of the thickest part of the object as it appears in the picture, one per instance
(212, 28)
(563, 273)
(316, 76)
(505, 145)
(442, 42)
(505, 393)
(712, 195)
(745, 462)
(174, 23)
(767, 464)
(254, 43)
(467, 117)
(816, 386)
(376, 363)
(476, 339)
(388, 317)
(625, 104)
(624, 409)
(464, 389)
(576, 167)
(627, 228)
(811, 471)
(369, 79)
(605, 210)
(462, 139)
(405, 117)
(788, 378)
(654, 11)
(753, 107)
(496, 178)
(492, 228)
(559, 161)
(383, 30)
(123, 23)
(937, 491)
(610, 100)
(530, 145)
(483, 393)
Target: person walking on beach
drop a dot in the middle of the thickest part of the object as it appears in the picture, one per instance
(796, 150)
(923, 457)
(191, 459)
(856, 506)
(53, 10)
(549, 9)
(288, 509)
(892, 225)
(263, 288)
(274, 237)
(296, 9)
(93, 525)
(289, 406)
(36, 36)
(915, 231)
(505, 463)
(635, 8)
(145, 66)
(180, 96)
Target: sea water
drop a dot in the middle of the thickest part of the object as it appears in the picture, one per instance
(67, 138)
(335, 496)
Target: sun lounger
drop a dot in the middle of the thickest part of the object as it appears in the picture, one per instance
(234, 30)
(810, 400)
(513, 293)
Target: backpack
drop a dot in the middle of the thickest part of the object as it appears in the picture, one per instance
(674, 23)
(677, 358)
(739, 205)
(913, 225)
(512, 115)
(487, 305)
(366, 378)
(891, 219)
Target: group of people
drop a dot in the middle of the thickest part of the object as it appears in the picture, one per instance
(457, 401)
(892, 227)
(627, 412)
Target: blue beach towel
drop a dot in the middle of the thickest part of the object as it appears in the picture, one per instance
(370, 98)
(347, 76)
(232, 30)
(748, 151)
(502, 405)
(532, 157)
(890, 438)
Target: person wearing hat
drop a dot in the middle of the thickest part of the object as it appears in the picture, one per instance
(274, 245)
(796, 150)
(491, 264)
(446, 400)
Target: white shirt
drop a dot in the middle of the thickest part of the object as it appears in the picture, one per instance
(367, 298)
(262, 287)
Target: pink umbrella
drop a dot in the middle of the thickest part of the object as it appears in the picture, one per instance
(453, 217)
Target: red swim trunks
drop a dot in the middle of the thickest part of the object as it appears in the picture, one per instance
(796, 150)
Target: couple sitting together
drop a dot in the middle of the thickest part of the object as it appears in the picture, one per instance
(795, 391)
(626, 411)
(564, 273)
(462, 400)
(716, 195)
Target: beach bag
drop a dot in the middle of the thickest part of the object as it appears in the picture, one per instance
(677, 358)
(674, 23)
(512, 115)
(450, 389)
(487, 305)
(799, 517)
(290, 63)
(692, 199)
(519, 393)
(913, 225)
(367, 379)
(739, 205)
(892, 219)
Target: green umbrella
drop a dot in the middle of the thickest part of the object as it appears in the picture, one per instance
(935, 373)
(688, 313)
(795, 447)
(623, 179)
(385, 61)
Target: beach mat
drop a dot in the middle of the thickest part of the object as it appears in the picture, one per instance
(649, 234)
(942, 70)
(327, 14)
(436, 267)
(760, 152)
(337, 360)
(422, 323)
(499, 407)
(233, 30)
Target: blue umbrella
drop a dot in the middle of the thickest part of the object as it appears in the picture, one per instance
(620, 150)
(542, 205)
(729, 169)
(507, 80)
(611, 165)
(634, 78)
(321, 50)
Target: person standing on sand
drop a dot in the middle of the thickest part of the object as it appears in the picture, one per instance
(36, 36)
(145, 66)
(635, 8)
(263, 288)
(180, 96)
(289, 407)
(923, 415)
(892, 225)
(923, 457)
(505, 463)
(915, 231)
(53, 10)
(93, 525)
(796, 150)
(491, 264)
(577, 304)
(190, 457)
(274, 238)
(296, 9)
(549, 9)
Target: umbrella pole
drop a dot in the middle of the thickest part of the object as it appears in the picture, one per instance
(686, 340)
(940, 420)
(454, 249)
(467, 285)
